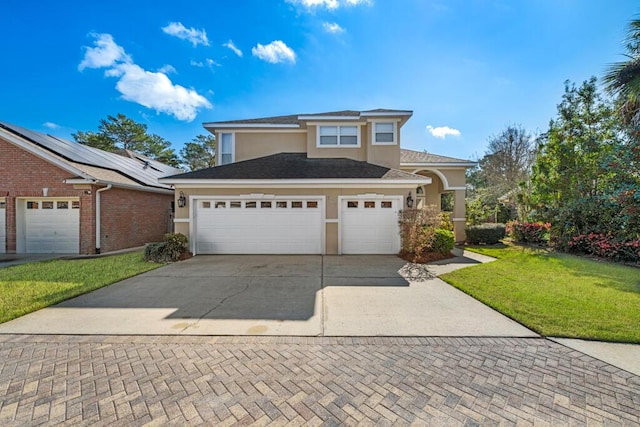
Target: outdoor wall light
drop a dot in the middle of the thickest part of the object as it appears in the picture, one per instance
(409, 201)
(419, 190)
(182, 200)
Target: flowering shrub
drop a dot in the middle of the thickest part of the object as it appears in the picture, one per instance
(529, 232)
(606, 246)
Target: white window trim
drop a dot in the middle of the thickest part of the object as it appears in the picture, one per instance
(395, 132)
(338, 125)
(233, 149)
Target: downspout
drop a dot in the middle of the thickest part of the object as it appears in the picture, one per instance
(108, 187)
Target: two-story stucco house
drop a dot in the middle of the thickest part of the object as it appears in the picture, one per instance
(328, 183)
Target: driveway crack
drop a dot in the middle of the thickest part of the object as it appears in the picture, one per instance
(217, 306)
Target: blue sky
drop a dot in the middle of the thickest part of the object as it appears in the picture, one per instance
(466, 68)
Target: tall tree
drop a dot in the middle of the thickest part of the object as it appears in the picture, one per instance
(505, 164)
(200, 153)
(120, 132)
(571, 177)
(622, 80)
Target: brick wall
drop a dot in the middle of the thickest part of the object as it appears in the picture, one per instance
(132, 218)
(129, 218)
(22, 175)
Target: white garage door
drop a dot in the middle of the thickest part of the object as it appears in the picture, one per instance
(275, 226)
(52, 226)
(3, 225)
(369, 225)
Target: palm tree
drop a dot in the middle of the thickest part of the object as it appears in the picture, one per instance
(622, 80)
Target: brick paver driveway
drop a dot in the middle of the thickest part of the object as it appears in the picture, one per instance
(288, 380)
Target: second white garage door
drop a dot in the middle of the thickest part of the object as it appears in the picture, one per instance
(52, 226)
(369, 225)
(274, 226)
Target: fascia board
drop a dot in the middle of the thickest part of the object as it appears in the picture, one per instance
(249, 125)
(326, 183)
(442, 165)
(119, 185)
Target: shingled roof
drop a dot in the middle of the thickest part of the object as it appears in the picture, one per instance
(293, 119)
(296, 166)
(411, 156)
(124, 168)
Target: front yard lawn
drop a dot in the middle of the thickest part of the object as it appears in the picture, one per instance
(557, 294)
(30, 287)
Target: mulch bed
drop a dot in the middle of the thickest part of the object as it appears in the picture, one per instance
(425, 257)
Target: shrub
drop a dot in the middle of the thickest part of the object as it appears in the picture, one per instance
(173, 248)
(445, 221)
(606, 246)
(417, 228)
(485, 234)
(443, 241)
(529, 232)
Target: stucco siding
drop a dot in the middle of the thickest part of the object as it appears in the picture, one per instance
(253, 145)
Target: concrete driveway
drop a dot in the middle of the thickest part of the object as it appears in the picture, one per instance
(277, 295)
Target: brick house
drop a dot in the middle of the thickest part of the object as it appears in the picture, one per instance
(55, 195)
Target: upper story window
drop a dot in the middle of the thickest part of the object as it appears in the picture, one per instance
(226, 148)
(385, 133)
(338, 136)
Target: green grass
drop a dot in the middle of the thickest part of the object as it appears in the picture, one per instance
(557, 294)
(30, 287)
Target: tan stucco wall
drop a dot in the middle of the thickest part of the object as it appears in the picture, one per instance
(455, 176)
(331, 201)
(251, 145)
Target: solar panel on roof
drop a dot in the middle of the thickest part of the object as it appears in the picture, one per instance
(79, 153)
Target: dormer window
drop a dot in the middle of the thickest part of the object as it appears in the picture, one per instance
(338, 136)
(385, 133)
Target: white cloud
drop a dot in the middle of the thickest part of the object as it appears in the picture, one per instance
(156, 91)
(51, 125)
(274, 52)
(233, 47)
(150, 89)
(327, 4)
(167, 69)
(178, 30)
(332, 28)
(211, 63)
(197, 63)
(311, 4)
(105, 53)
(442, 131)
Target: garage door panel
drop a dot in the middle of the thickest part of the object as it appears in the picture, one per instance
(254, 229)
(54, 229)
(370, 226)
